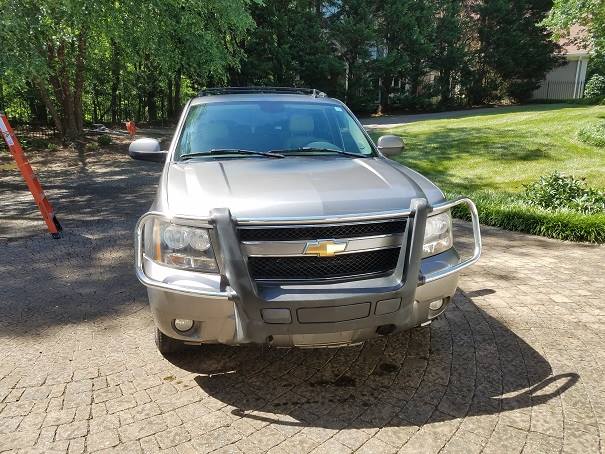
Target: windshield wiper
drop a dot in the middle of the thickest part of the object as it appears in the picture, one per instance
(320, 149)
(215, 151)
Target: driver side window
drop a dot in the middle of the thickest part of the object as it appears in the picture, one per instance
(352, 137)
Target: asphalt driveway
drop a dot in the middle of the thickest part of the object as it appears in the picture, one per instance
(515, 365)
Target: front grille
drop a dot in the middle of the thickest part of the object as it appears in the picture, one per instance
(321, 232)
(316, 268)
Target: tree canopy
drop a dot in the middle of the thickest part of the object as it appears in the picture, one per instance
(72, 62)
(58, 51)
(589, 14)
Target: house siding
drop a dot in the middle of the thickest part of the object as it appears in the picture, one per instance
(564, 82)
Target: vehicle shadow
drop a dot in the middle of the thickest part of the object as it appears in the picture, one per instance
(466, 364)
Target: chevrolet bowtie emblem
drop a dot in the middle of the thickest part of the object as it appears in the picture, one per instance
(325, 248)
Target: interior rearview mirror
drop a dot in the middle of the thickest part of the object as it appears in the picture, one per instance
(147, 150)
(390, 145)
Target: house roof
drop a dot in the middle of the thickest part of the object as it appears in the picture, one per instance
(575, 43)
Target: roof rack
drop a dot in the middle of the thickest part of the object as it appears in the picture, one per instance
(251, 90)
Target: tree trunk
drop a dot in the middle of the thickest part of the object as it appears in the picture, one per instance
(176, 103)
(58, 116)
(115, 82)
(152, 110)
(123, 110)
(43, 91)
(385, 93)
(37, 109)
(169, 99)
(139, 115)
(95, 104)
(445, 83)
(79, 83)
(347, 81)
(70, 127)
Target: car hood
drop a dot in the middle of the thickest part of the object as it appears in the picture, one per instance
(293, 187)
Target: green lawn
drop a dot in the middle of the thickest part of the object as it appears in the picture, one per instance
(490, 155)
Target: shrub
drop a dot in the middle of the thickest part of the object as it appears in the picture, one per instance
(520, 90)
(595, 87)
(92, 146)
(104, 140)
(510, 213)
(37, 143)
(558, 192)
(593, 133)
(52, 147)
(412, 103)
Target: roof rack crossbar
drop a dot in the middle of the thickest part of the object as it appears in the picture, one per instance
(251, 90)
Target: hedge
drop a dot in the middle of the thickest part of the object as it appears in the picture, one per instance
(507, 213)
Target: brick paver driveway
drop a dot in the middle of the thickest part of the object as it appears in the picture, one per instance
(516, 364)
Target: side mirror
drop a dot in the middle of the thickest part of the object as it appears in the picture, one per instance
(147, 150)
(390, 145)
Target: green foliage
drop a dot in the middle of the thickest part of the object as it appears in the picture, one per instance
(104, 140)
(450, 55)
(288, 47)
(91, 146)
(502, 149)
(28, 142)
(511, 214)
(596, 65)
(413, 103)
(595, 87)
(405, 30)
(588, 13)
(516, 51)
(490, 154)
(593, 133)
(69, 63)
(63, 49)
(353, 30)
(556, 192)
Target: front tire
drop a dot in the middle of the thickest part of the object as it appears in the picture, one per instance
(166, 344)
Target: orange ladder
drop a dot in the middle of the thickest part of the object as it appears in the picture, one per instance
(33, 184)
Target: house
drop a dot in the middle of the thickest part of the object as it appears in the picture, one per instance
(567, 81)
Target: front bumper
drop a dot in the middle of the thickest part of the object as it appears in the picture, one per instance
(231, 308)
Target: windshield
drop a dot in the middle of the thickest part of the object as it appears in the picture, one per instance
(264, 126)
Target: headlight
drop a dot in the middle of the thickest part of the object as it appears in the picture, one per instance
(179, 246)
(438, 234)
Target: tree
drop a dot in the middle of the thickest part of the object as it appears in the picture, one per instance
(352, 30)
(450, 47)
(46, 42)
(405, 30)
(515, 51)
(588, 13)
(289, 46)
(111, 60)
(57, 44)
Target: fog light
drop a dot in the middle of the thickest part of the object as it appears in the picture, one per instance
(183, 325)
(436, 305)
(276, 315)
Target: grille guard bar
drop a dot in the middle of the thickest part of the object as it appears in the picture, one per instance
(159, 285)
(431, 277)
(229, 293)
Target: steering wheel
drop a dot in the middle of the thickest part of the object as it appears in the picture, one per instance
(320, 144)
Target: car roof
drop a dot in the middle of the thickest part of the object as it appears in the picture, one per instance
(289, 94)
(262, 97)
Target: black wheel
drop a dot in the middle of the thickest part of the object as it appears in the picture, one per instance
(167, 344)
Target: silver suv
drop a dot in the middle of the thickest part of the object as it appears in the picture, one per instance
(277, 220)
